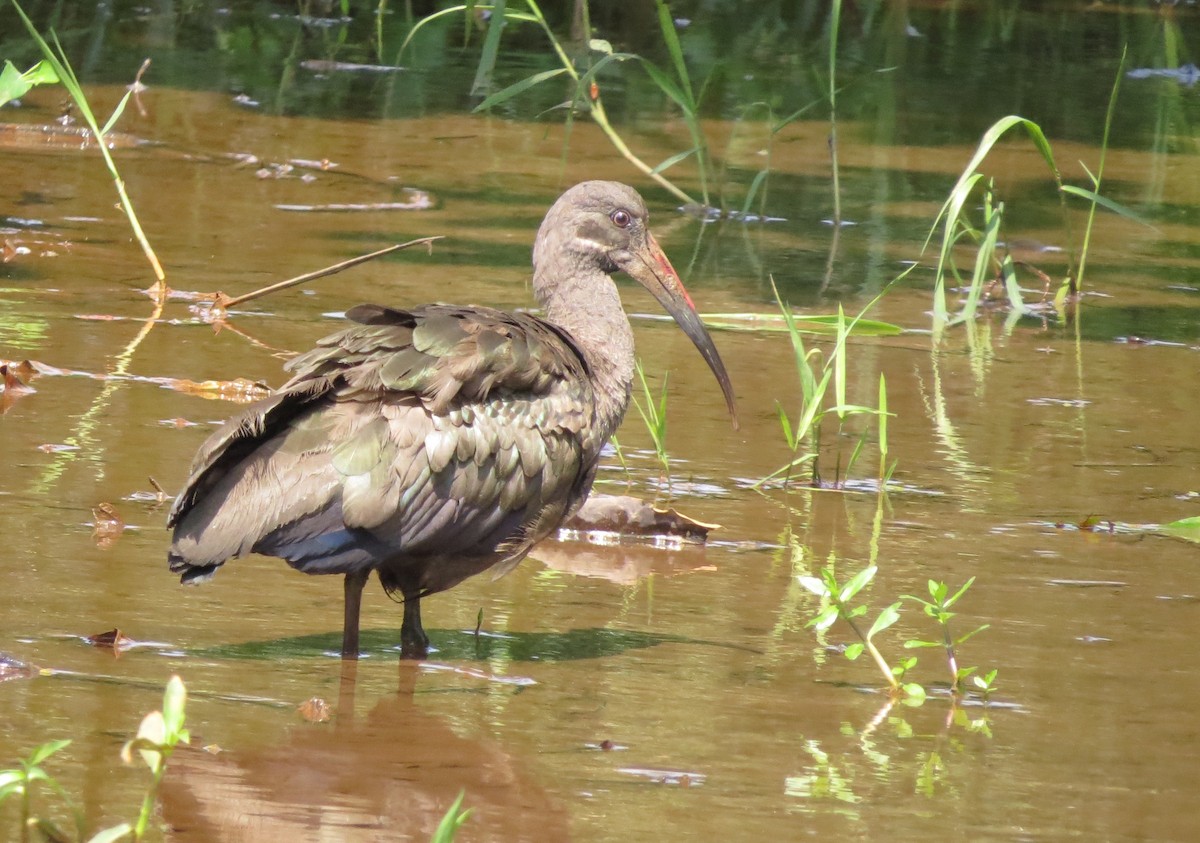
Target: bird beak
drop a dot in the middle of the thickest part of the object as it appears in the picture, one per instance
(650, 268)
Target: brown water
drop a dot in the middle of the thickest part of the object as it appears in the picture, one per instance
(617, 693)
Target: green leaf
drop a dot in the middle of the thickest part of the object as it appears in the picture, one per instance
(913, 692)
(14, 84)
(45, 751)
(778, 323)
(599, 45)
(41, 74)
(151, 734)
(174, 702)
(857, 583)
(824, 620)
(972, 633)
(491, 47)
(517, 88)
(11, 781)
(666, 23)
(814, 585)
(667, 85)
(960, 592)
(452, 821)
(886, 618)
(853, 651)
(1185, 528)
(108, 835)
(674, 159)
(117, 112)
(914, 644)
(1105, 202)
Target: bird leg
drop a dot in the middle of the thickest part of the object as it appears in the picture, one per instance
(354, 589)
(414, 643)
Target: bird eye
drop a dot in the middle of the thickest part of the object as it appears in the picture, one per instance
(621, 219)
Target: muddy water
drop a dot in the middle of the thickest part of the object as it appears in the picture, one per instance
(614, 693)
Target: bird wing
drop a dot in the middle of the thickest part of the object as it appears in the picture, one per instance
(435, 431)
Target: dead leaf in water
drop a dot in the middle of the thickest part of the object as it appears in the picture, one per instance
(10, 250)
(107, 525)
(52, 448)
(113, 640)
(16, 376)
(14, 383)
(1095, 524)
(315, 710)
(238, 389)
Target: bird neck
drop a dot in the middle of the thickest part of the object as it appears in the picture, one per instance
(588, 306)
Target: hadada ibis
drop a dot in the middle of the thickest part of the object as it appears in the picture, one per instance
(435, 443)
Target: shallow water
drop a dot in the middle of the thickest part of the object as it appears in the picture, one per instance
(630, 693)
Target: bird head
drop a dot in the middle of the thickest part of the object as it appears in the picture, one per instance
(603, 225)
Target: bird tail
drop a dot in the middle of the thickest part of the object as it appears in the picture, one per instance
(190, 574)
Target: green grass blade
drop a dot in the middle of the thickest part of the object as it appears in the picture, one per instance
(491, 48)
(883, 430)
(668, 86)
(117, 112)
(452, 821)
(1104, 201)
(753, 191)
(667, 24)
(675, 159)
(517, 88)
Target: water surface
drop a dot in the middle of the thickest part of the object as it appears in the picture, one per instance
(628, 693)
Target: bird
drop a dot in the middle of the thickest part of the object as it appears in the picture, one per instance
(437, 442)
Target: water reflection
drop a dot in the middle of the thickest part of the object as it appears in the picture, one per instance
(390, 774)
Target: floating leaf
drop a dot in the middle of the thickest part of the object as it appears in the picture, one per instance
(107, 525)
(314, 710)
(914, 693)
(112, 640)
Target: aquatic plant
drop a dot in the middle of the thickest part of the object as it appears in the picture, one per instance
(452, 821)
(157, 736)
(61, 68)
(587, 95)
(838, 602)
(938, 608)
(993, 264)
(818, 371)
(654, 416)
